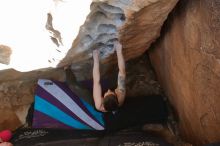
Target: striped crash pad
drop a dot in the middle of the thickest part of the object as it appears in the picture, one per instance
(56, 106)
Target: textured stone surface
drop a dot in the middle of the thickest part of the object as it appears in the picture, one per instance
(141, 80)
(187, 63)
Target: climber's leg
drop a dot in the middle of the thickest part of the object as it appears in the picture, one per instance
(137, 111)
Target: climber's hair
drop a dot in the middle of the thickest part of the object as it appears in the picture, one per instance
(110, 103)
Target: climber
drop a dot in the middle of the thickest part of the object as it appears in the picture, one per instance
(111, 99)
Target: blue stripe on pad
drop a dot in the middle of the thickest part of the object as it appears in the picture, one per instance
(96, 114)
(50, 110)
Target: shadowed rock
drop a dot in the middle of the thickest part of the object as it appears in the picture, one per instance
(187, 62)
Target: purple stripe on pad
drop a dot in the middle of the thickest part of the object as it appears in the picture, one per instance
(48, 97)
(41, 120)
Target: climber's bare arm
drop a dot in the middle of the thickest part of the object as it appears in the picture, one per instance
(97, 90)
(121, 62)
(121, 90)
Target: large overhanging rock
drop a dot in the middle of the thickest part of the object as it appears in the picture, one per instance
(187, 62)
(135, 23)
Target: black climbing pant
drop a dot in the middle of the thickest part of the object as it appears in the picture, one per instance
(137, 111)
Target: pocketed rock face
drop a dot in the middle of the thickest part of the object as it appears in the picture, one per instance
(135, 23)
(187, 63)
